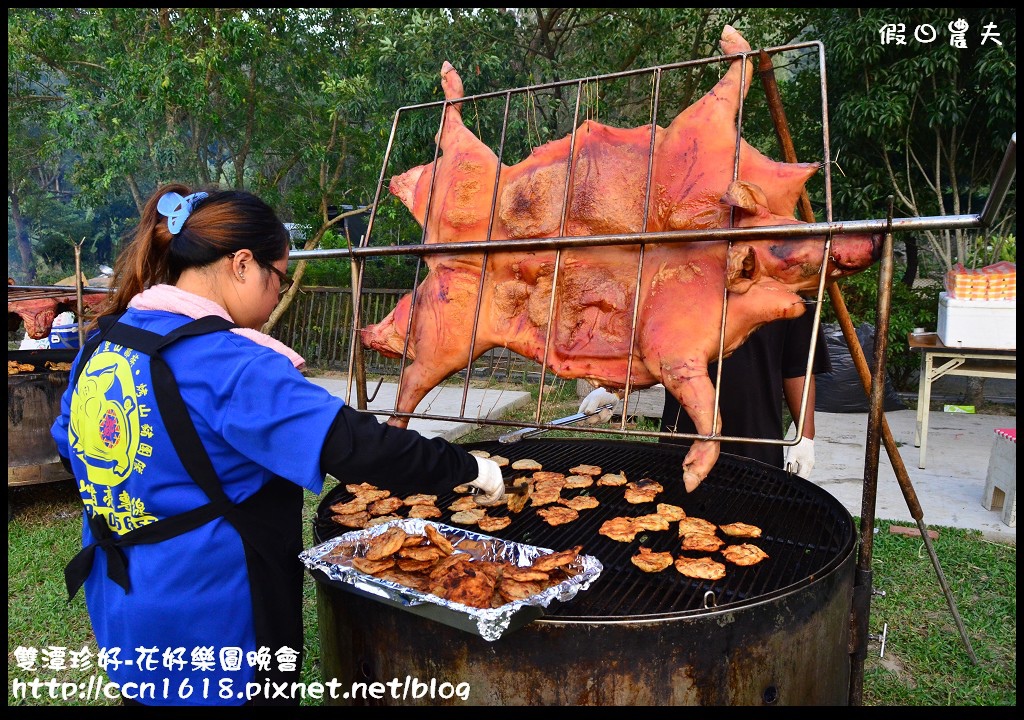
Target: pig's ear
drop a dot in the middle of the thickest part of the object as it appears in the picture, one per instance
(405, 187)
(747, 197)
(742, 270)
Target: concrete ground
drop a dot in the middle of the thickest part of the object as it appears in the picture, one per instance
(949, 488)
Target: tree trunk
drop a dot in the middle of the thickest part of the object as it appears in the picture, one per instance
(910, 243)
(975, 394)
(24, 245)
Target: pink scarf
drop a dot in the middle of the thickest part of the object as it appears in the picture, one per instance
(172, 299)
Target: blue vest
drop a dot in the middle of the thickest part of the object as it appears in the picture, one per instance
(192, 594)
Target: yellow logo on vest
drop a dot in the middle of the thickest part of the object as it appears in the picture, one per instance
(106, 431)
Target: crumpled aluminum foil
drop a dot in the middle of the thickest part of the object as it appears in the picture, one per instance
(490, 623)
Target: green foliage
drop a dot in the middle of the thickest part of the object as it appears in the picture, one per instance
(996, 249)
(910, 308)
(928, 123)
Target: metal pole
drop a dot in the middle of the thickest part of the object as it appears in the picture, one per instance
(78, 293)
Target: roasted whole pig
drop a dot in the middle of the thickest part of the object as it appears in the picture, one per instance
(682, 285)
(37, 314)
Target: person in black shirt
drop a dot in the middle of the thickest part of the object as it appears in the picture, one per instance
(762, 373)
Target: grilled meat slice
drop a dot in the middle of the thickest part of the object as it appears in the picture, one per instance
(558, 515)
(701, 542)
(745, 554)
(691, 524)
(386, 544)
(739, 529)
(703, 568)
(580, 502)
(424, 512)
(493, 524)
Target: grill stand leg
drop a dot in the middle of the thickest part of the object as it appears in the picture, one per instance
(766, 71)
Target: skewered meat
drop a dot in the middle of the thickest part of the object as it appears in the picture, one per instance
(594, 182)
(38, 314)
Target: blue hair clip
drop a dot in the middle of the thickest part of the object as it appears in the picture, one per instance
(176, 208)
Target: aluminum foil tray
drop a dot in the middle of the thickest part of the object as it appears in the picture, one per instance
(489, 623)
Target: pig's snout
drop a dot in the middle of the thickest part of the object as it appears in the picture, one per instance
(852, 254)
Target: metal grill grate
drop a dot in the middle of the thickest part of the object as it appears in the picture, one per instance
(805, 531)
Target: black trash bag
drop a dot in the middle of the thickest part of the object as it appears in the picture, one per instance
(841, 391)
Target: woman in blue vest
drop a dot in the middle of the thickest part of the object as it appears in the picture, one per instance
(191, 436)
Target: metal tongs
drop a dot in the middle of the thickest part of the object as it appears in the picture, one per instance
(517, 435)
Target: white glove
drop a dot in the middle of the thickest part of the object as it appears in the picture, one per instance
(800, 458)
(489, 482)
(596, 399)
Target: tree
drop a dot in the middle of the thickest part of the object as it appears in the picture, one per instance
(925, 121)
(233, 97)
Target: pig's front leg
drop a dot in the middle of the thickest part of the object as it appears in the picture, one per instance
(692, 387)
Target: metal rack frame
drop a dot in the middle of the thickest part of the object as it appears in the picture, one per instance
(872, 378)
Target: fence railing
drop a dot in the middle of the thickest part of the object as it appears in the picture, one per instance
(318, 326)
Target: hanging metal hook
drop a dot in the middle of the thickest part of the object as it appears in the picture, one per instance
(376, 389)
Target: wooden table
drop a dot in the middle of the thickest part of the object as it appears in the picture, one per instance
(938, 360)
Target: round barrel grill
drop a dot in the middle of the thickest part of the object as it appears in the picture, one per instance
(33, 403)
(772, 633)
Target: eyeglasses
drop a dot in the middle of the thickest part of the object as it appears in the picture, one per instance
(286, 282)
